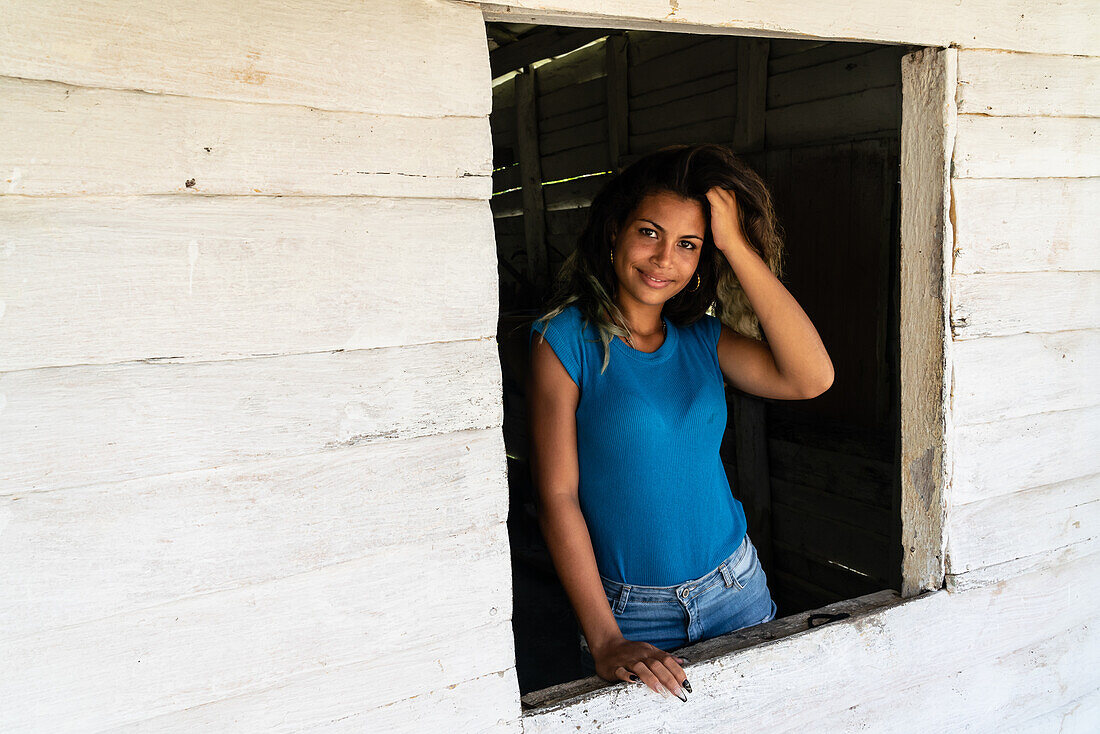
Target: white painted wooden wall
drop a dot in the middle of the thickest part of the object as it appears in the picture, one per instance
(252, 474)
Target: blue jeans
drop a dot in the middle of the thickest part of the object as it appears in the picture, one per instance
(730, 597)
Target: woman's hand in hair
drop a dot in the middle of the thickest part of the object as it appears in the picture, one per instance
(725, 219)
(620, 659)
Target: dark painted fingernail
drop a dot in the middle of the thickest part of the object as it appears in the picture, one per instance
(633, 677)
(686, 685)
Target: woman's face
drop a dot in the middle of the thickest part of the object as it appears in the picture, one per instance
(663, 238)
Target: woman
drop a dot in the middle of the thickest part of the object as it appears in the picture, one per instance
(627, 407)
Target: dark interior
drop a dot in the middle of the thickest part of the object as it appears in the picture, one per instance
(820, 122)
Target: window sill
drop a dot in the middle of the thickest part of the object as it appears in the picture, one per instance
(585, 689)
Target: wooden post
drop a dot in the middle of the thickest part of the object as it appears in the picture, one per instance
(752, 89)
(928, 81)
(530, 169)
(617, 98)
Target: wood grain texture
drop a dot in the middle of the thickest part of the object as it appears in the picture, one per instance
(186, 653)
(1026, 147)
(999, 304)
(57, 139)
(381, 57)
(87, 425)
(993, 82)
(994, 575)
(103, 280)
(928, 129)
(997, 378)
(832, 668)
(1026, 225)
(1015, 25)
(1004, 456)
(1023, 523)
(86, 553)
(1062, 666)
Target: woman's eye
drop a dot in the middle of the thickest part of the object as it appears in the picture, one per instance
(644, 230)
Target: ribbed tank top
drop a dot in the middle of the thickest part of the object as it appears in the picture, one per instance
(653, 490)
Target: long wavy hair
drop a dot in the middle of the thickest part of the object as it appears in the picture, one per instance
(587, 276)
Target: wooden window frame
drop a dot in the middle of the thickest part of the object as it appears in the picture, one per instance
(928, 130)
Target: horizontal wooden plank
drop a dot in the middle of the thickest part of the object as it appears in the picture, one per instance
(1014, 687)
(59, 139)
(1011, 454)
(186, 653)
(705, 56)
(831, 506)
(591, 158)
(878, 67)
(997, 304)
(791, 54)
(419, 58)
(1023, 225)
(1011, 376)
(1026, 147)
(572, 120)
(996, 574)
(1060, 29)
(859, 478)
(562, 102)
(212, 277)
(855, 548)
(86, 553)
(658, 98)
(572, 69)
(506, 179)
(797, 592)
(959, 631)
(1003, 83)
(846, 440)
(845, 583)
(440, 684)
(836, 118)
(720, 102)
(571, 194)
(93, 424)
(648, 45)
(719, 130)
(1078, 716)
(1008, 527)
(594, 131)
(565, 695)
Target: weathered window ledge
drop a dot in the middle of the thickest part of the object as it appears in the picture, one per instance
(585, 689)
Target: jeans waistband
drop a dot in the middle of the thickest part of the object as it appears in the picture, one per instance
(722, 573)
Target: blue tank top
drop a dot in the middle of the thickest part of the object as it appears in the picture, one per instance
(653, 490)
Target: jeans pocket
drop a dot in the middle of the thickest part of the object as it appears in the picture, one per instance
(743, 571)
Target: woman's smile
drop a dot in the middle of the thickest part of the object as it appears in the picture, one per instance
(652, 281)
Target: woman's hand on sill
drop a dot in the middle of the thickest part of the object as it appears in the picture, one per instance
(633, 660)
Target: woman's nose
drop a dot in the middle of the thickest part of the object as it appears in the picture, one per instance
(663, 256)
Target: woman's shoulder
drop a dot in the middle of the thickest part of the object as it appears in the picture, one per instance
(707, 328)
(568, 319)
(563, 332)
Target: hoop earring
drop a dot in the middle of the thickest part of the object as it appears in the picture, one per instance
(698, 282)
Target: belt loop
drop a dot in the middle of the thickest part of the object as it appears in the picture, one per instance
(727, 575)
(620, 603)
